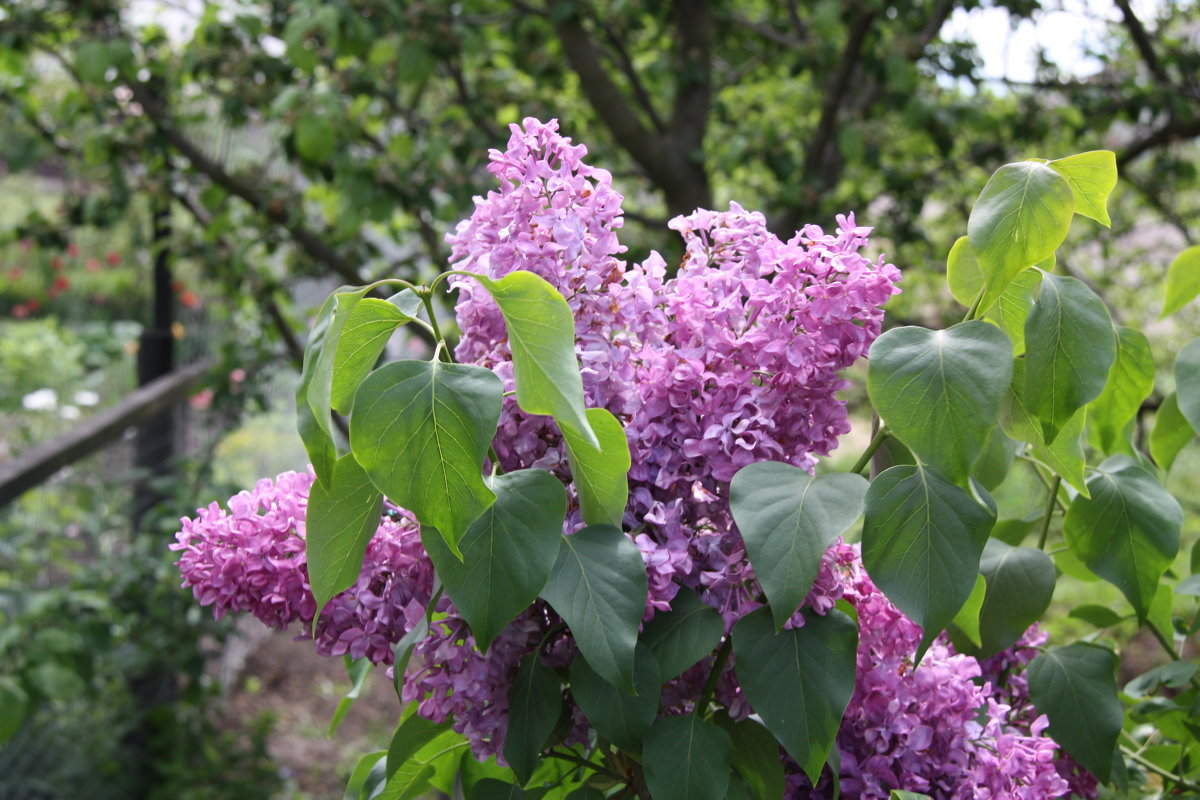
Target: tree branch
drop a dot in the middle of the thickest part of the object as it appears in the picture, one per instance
(1141, 40)
(1173, 130)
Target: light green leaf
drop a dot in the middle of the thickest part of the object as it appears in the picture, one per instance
(788, 519)
(370, 324)
(1075, 688)
(1020, 583)
(755, 756)
(316, 138)
(358, 777)
(685, 758)
(1187, 382)
(411, 735)
(598, 585)
(601, 475)
(940, 392)
(963, 275)
(620, 717)
(1012, 307)
(1183, 280)
(508, 552)
(682, 636)
(922, 539)
(358, 669)
(340, 522)
(534, 705)
(799, 680)
(898, 794)
(1171, 433)
(1130, 381)
(1092, 176)
(493, 789)
(1128, 531)
(1020, 218)
(1070, 348)
(966, 621)
(92, 60)
(541, 335)
(1066, 456)
(421, 429)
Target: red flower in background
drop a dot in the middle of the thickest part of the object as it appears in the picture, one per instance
(73, 250)
(56, 264)
(113, 258)
(92, 265)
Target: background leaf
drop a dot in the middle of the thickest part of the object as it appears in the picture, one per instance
(508, 552)
(685, 758)
(1069, 349)
(755, 756)
(358, 669)
(534, 705)
(313, 424)
(1171, 433)
(1187, 382)
(1074, 686)
(682, 636)
(598, 585)
(1021, 217)
(1092, 176)
(1066, 455)
(421, 429)
(940, 391)
(788, 519)
(1183, 280)
(922, 539)
(798, 680)
(963, 275)
(601, 476)
(340, 522)
(1130, 381)
(1128, 531)
(620, 717)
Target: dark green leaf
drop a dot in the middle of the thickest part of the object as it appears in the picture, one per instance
(534, 704)
(1187, 382)
(1092, 177)
(1128, 531)
(992, 466)
(1173, 675)
(1070, 348)
(601, 476)
(1020, 582)
(1130, 381)
(14, 707)
(369, 326)
(313, 423)
(1020, 218)
(411, 735)
(798, 680)
(685, 758)
(316, 138)
(1066, 455)
(507, 553)
(1075, 688)
(682, 636)
(358, 670)
(1014, 531)
(620, 717)
(788, 519)
(598, 585)
(922, 539)
(755, 756)
(541, 335)
(421, 430)
(1171, 433)
(940, 392)
(1099, 616)
(340, 522)
(1183, 280)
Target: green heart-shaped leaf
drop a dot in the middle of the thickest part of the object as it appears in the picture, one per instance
(685, 758)
(1075, 688)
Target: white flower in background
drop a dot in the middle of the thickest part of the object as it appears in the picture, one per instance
(69, 412)
(41, 400)
(86, 397)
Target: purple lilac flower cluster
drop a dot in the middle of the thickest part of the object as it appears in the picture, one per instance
(734, 359)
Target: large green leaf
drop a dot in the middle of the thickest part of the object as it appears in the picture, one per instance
(1021, 217)
(1020, 583)
(340, 522)
(755, 756)
(685, 758)
(1066, 455)
(1092, 176)
(1172, 432)
(922, 539)
(1183, 280)
(799, 680)
(541, 335)
(1012, 307)
(1075, 688)
(601, 475)
(620, 717)
(1128, 531)
(940, 391)
(421, 429)
(1130, 381)
(1187, 382)
(312, 421)
(508, 552)
(1069, 349)
(682, 636)
(963, 275)
(534, 705)
(368, 327)
(598, 585)
(788, 519)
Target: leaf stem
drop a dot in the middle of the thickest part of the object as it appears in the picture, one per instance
(1147, 764)
(427, 300)
(711, 684)
(865, 459)
(583, 762)
(1050, 503)
(974, 309)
